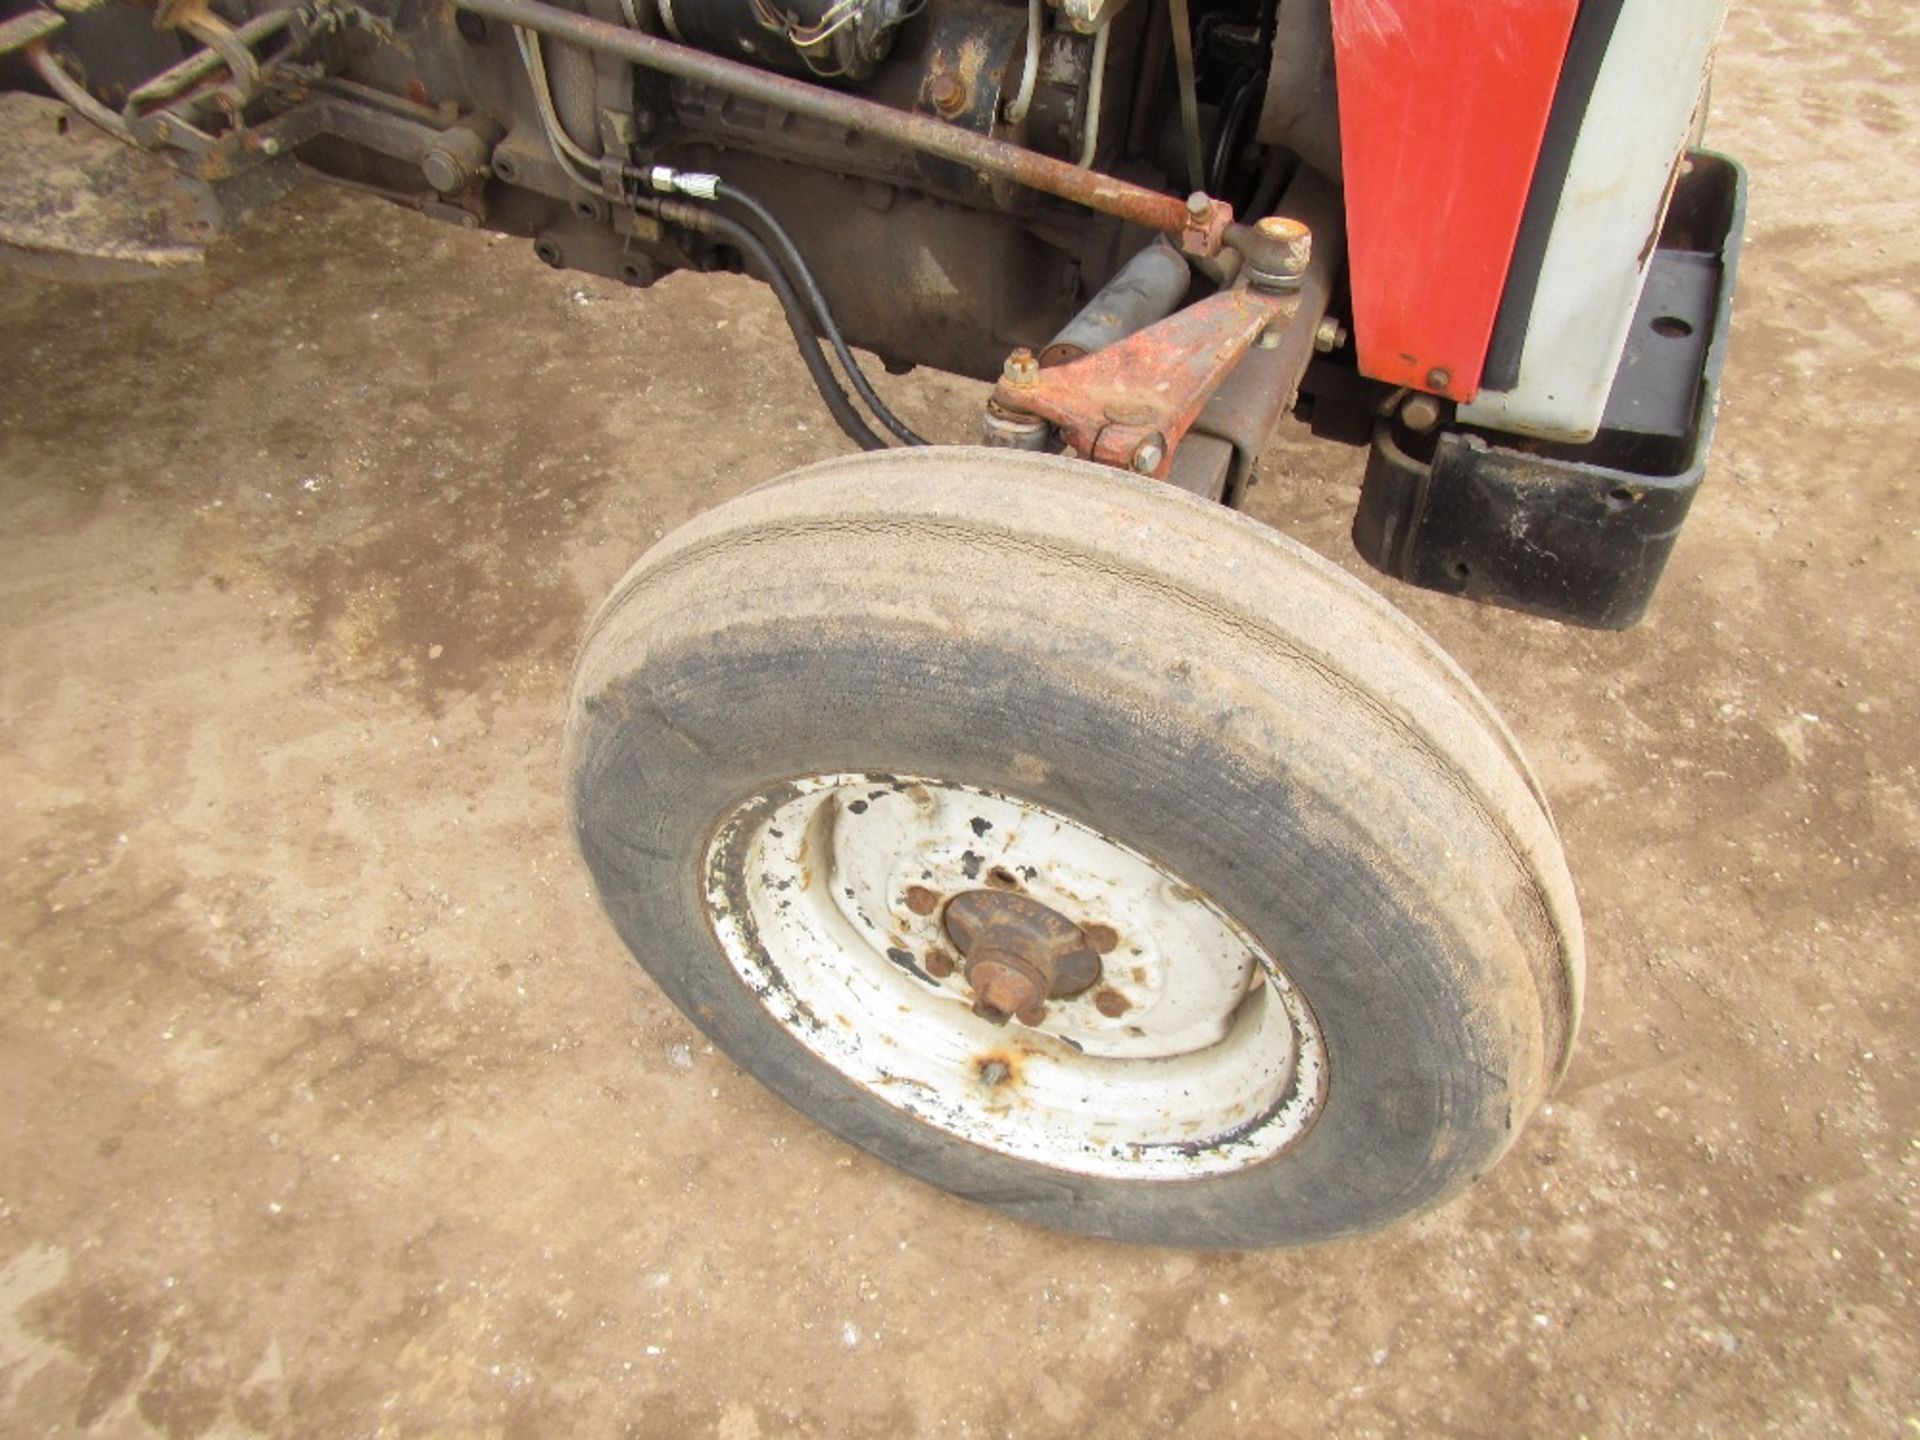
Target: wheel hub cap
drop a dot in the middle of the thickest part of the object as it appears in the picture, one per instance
(1019, 954)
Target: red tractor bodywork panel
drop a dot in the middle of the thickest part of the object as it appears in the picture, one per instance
(1442, 107)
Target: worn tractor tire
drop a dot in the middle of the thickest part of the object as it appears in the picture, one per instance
(1164, 672)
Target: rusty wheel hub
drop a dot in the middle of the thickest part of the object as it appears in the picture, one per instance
(1018, 954)
(867, 912)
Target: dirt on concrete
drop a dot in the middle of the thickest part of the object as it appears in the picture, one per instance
(330, 1106)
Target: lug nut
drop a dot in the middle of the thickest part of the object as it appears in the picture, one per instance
(1002, 987)
(1102, 939)
(921, 900)
(1111, 1003)
(938, 964)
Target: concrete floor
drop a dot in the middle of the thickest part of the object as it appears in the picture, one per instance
(332, 1107)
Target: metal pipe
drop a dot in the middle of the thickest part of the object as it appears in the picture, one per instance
(1016, 112)
(1181, 21)
(1147, 288)
(1165, 213)
(1097, 70)
(72, 93)
(202, 63)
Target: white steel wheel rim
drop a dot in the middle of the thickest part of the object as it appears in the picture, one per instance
(1215, 1064)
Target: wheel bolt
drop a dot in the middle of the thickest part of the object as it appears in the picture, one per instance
(1111, 1003)
(1102, 939)
(938, 964)
(1002, 986)
(921, 900)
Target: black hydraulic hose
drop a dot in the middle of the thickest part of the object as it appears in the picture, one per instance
(799, 271)
(726, 228)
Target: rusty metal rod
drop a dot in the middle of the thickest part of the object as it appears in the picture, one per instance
(202, 63)
(1166, 213)
(72, 93)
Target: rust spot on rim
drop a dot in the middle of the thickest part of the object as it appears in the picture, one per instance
(997, 1069)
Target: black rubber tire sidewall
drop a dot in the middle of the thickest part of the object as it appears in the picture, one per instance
(1430, 1007)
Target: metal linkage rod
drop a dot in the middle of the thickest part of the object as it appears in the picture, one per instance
(1198, 223)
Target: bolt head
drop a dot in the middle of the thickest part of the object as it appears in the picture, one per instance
(442, 170)
(1148, 454)
(948, 95)
(1329, 336)
(1420, 413)
(1439, 378)
(1199, 205)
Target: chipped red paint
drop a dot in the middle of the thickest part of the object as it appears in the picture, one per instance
(1442, 107)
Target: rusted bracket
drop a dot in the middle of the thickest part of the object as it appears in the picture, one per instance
(1131, 404)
